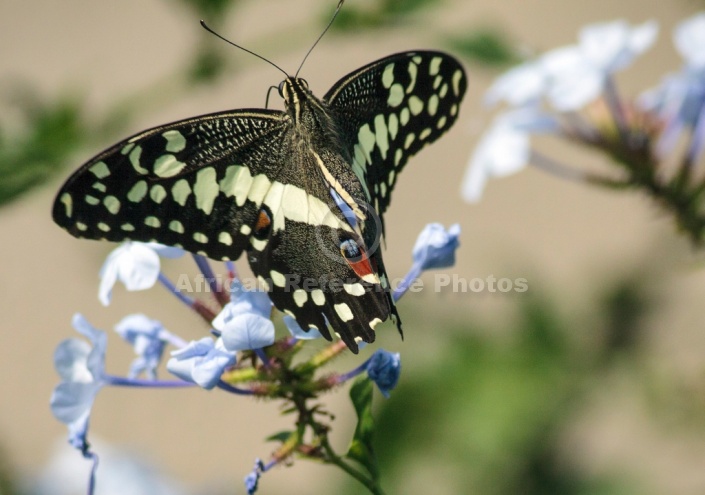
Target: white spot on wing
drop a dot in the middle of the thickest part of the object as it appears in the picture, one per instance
(206, 189)
(300, 297)
(343, 311)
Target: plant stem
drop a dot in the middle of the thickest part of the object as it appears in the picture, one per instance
(370, 483)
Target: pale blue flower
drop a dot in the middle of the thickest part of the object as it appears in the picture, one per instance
(680, 98)
(384, 368)
(135, 264)
(148, 339)
(298, 332)
(522, 85)
(244, 322)
(505, 149)
(201, 362)
(81, 367)
(252, 479)
(247, 331)
(434, 248)
(578, 74)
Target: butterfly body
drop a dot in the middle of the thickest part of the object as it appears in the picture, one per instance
(300, 191)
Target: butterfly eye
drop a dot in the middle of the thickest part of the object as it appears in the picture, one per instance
(281, 88)
(263, 225)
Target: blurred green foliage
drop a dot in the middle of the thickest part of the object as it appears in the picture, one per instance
(489, 416)
(49, 134)
(485, 46)
(379, 13)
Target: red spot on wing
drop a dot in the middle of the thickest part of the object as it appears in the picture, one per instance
(362, 265)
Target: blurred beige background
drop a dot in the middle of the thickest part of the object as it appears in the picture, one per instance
(564, 238)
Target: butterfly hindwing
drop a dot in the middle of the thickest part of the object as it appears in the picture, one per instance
(197, 184)
(391, 108)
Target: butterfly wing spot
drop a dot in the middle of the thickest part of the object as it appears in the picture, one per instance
(100, 170)
(413, 71)
(278, 278)
(434, 66)
(152, 221)
(137, 192)
(99, 186)
(104, 226)
(415, 105)
(245, 230)
(300, 297)
(180, 191)
(157, 193)
(225, 238)
(318, 297)
(176, 226)
(409, 140)
(81, 226)
(91, 200)
(396, 95)
(175, 141)
(343, 311)
(404, 116)
(263, 283)
(237, 182)
(374, 323)
(381, 135)
(200, 237)
(206, 189)
(425, 133)
(355, 289)
(393, 126)
(112, 204)
(457, 77)
(388, 76)
(263, 225)
(432, 105)
(366, 139)
(67, 201)
(135, 155)
(127, 227)
(441, 123)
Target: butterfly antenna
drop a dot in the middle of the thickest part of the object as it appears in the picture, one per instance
(205, 26)
(335, 14)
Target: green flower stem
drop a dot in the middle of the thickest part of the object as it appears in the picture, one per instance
(332, 458)
(323, 357)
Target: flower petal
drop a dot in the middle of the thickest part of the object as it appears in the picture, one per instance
(435, 247)
(689, 38)
(298, 332)
(248, 331)
(384, 369)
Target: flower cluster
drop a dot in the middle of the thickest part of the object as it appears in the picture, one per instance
(242, 355)
(571, 93)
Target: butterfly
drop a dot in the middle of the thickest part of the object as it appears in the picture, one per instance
(301, 191)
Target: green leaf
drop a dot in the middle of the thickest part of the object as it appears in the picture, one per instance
(282, 436)
(360, 449)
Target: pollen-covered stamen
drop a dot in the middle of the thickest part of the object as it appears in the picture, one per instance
(357, 259)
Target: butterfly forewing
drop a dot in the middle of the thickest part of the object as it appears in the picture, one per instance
(393, 107)
(197, 184)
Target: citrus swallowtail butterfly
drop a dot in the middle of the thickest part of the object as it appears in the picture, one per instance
(300, 190)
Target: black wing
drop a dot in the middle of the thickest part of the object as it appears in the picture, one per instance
(391, 108)
(197, 184)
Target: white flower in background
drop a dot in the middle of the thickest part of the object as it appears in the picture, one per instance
(680, 98)
(505, 149)
(578, 74)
